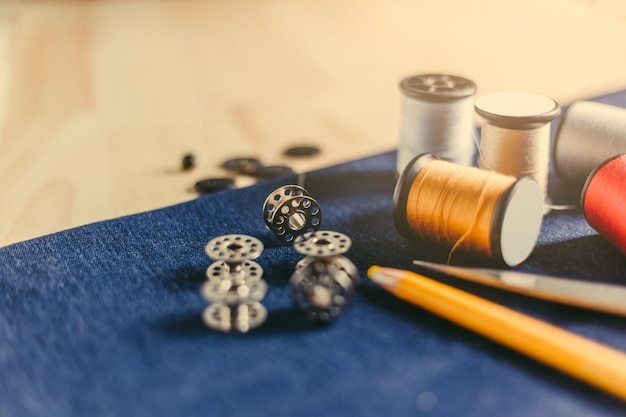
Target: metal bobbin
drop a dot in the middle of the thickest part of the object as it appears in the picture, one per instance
(234, 284)
(324, 281)
(290, 212)
(234, 249)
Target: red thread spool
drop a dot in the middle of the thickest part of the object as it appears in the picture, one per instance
(604, 198)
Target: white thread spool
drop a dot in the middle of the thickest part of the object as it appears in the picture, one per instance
(437, 118)
(515, 137)
(588, 134)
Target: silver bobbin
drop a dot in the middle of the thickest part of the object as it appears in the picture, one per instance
(343, 263)
(248, 270)
(324, 281)
(234, 286)
(234, 248)
(322, 289)
(234, 292)
(323, 244)
(289, 212)
(241, 318)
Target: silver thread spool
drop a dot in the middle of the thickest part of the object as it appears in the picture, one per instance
(437, 118)
(515, 138)
(588, 134)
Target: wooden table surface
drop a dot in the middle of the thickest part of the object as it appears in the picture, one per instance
(100, 100)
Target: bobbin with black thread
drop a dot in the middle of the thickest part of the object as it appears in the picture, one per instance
(324, 281)
(499, 244)
(234, 285)
(290, 212)
(437, 117)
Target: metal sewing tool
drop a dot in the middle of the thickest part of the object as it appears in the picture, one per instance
(607, 298)
(324, 280)
(290, 212)
(234, 286)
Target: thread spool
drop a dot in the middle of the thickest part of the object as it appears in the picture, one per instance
(467, 209)
(603, 199)
(588, 134)
(515, 138)
(437, 118)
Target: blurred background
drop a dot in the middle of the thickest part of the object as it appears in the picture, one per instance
(100, 100)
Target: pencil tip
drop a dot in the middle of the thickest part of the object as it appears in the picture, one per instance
(372, 270)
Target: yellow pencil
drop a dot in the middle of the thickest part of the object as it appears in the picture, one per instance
(584, 359)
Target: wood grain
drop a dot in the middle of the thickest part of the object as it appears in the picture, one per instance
(100, 100)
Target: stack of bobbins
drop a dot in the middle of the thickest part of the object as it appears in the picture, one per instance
(515, 137)
(437, 117)
(234, 284)
(324, 280)
(468, 210)
(603, 199)
(290, 211)
(588, 134)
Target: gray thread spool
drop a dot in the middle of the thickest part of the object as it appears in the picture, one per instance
(437, 118)
(588, 134)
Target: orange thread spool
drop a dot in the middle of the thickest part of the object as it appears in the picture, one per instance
(467, 209)
(603, 200)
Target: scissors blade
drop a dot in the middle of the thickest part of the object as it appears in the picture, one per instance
(607, 298)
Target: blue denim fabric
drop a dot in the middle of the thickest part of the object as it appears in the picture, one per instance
(104, 320)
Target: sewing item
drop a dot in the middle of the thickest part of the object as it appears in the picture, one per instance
(588, 134)
(272, 171)
(302, 151)
(324, 281)
(604, 198)
(602, 297)
(188, 162)
(598, 365)
(242, 165)
(289, 212)
(437, 118)
(467, 209)
(515, 135)
(212, 185)
(234, 285)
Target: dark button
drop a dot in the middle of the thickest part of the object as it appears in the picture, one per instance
(302, 151)
(188, 162)
(272, 171)
(244, 166)
(211, 185)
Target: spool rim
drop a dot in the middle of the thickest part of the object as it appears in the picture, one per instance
(557, 170)
(590, 177)
(457, 88)
(521, 122)
(500, 211)
(401, 191)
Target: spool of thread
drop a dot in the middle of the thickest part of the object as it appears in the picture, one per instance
(515, 137)
(437, 118)
(603, 199)
(467, 209)
(588, 134)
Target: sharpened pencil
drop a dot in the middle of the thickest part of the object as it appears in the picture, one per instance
(589, 361)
